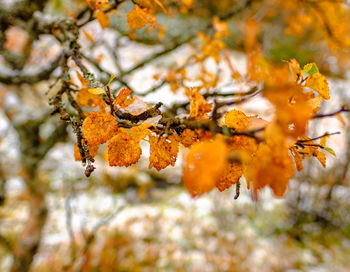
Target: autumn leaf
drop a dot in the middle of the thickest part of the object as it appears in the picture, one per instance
(318, 83)
(203, 166)
(230, 176)
(102, 18)
(123, 149)
(163, 151)
(187, 137)
(199, 107)
(93, 149)
(138, 18)
(88, 36)
(295, 69)
(271, 166)
(237, 120)
(122, 98)
(87, 99)
(140, 132)
(97, 90)
(99, 127)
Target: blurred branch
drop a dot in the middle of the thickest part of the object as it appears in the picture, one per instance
(5, 243)
(32, 78)
(90, 238)
(68, 211)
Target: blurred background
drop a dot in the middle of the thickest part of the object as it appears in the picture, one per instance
(139, 219)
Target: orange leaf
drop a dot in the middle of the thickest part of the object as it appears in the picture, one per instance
(122, 98)
(99, 127)
(123, 150)
(102, 18)
(138, 18)
(163, 151)
(93, 149)
(237, 120)
(230, 176)
(199, 107)
(87, 99)
(88, 36)
(204, 164)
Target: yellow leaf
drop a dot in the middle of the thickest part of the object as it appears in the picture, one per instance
(138, 18)
(140, 132)
(295, 69)
(88, 36)
(102, 18)
(321, 158)
(187, 137)
(97, 90)
(318, 83)
(122, 98)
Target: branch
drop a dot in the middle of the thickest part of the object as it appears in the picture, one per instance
(343, 109)
(34, 78)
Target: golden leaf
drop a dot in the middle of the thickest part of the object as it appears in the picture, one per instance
(87, 99)
(93, 149)
(237, 120)
(122, 98)
(140, 132)
(97, 90)
(123, 150)
(230, 176)
(88, 36)
(187, 137)
(163, 151)
(99, 127)
(138, 18)
(295, 69)
(102, 18)
(318, 83)
(199, 107)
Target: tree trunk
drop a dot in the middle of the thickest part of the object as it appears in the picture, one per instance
(28, 241)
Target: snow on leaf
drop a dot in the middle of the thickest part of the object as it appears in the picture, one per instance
(137, 106)
(163, 151)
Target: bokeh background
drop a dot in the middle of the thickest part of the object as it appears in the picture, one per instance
(139, 219)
